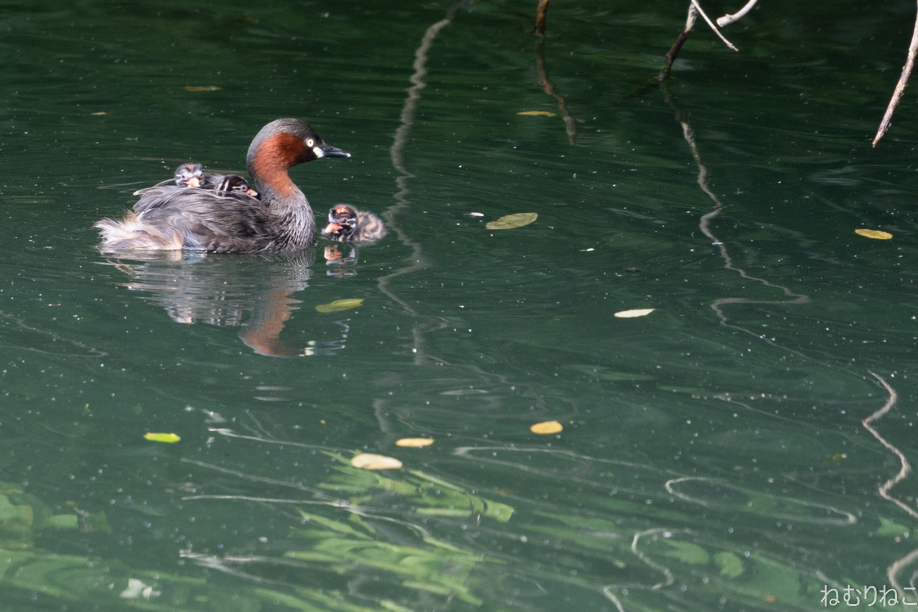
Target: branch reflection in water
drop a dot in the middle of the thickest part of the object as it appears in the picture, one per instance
(253, 292)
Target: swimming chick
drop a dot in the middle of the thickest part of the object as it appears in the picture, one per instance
(347, 224)
(169, 217)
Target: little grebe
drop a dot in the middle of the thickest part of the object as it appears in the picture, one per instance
(347, 224)
(169, 217)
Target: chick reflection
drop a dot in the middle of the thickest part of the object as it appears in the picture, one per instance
(254, 292)
(341, 265)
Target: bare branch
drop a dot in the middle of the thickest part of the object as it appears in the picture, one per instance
(728, 19)
(677, 45)
(900, 86)
(713, 26)
(569, 126)
(541, 14)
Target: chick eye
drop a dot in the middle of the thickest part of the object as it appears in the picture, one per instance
(310, 142)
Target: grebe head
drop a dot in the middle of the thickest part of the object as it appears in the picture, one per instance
(189, 175)
(279, 146)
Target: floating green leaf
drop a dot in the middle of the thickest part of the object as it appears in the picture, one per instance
(169, 438)
(537, 114)
(339, 305)
(512, 221)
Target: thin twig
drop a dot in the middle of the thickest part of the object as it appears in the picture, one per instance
(541, 14)
(670, 57)
(548, 87)
(728, 19)
(713, 25)
(900, 86)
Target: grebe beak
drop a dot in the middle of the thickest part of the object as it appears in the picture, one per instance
(332, 228)
(326, 150)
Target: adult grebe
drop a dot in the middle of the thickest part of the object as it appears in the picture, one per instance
(169, 217)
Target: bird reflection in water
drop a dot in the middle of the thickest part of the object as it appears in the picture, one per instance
(252, 292)
(341, 265)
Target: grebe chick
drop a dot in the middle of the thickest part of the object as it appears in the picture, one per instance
(232, 182)
(189, 175)
(347, 224)
(186, 175)
(169, 217)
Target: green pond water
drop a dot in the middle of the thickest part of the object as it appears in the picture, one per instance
(719, 453)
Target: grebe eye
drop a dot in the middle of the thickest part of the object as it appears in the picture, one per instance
(310, 142)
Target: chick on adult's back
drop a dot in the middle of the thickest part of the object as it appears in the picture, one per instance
(169, 217)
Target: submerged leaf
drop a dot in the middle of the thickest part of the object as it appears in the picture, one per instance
(730, 565)
(414, 442)
(369, 461)
(333, 525)
(875, 234)
(546, 427)
(169, 438)
(63, 521)
(512, 221)
(537, 114)
(630, 314)
(339, 305)
(687, 552)
(890, 528)
(202, 88)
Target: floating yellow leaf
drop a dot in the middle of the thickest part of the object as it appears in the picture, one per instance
(875, 234)
(547, 427)
(537, 114)
(630, 314)
(97, 114)
(512, 221)
(369, 461)
(414, 442)
(169, 438)
(338, 305)
(202, 88)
